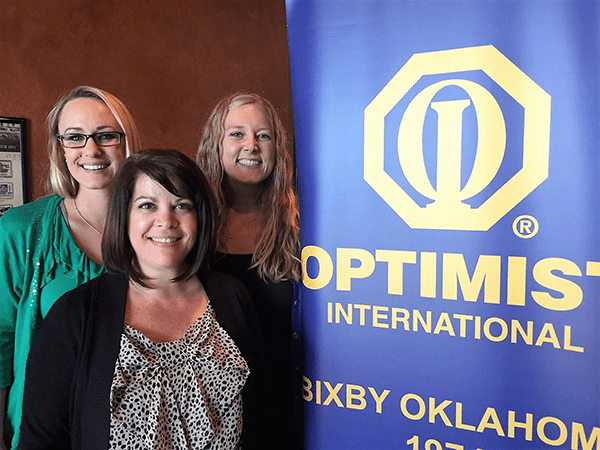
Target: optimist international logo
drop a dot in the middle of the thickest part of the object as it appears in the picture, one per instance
(446, 208)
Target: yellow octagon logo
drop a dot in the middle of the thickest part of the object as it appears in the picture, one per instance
(447, 211)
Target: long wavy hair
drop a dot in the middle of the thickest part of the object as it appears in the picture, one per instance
(60, 180)
(277, 253)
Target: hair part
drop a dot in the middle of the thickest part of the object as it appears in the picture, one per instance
(278, 248)
(60, 180)
(179, 175)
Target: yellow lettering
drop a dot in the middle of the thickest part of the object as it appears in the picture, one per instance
(541, 431)
(333, 391)
(396, 260)
(490, 420)
(543, 274)
(578, 435)
(517, 275)
(362, 309)
(477, 327)
(503, 329)
(517, 328)
(439, 410)
(379, 398)
(345, 271)
(418, 318)
(592, 269)
(318, 392)
(325, 272)
(459, 419)
(428, 275)
(462, 319)
(527, 425)
(400, 315)
(444, 324)
(378, 315)
(355, 392)
(420, 403)
(548, 334)
(340, 311)
(455, 273)
(307, 394)
(451, 446)
(568, 345)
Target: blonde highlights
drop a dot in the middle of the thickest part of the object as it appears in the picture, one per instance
(277, 252)
(60, 180)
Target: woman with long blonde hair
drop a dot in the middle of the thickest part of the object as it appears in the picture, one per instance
(52, 245)
(245, 155)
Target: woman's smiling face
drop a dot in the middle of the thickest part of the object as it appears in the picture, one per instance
(162, 229)
(93, 166)
(248, 145)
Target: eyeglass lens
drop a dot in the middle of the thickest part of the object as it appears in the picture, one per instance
(76, 140)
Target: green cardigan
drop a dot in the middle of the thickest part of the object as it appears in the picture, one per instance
(40, 262)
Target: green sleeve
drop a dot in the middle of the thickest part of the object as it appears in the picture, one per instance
(20, 229)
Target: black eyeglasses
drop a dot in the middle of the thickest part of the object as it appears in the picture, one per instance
(103, 139)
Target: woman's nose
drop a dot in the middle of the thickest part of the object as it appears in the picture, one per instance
(91, 148)
(251, 143)
(167, 218)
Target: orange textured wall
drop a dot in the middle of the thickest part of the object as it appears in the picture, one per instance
(168, 61)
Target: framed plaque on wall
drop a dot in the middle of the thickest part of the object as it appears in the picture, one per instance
(12, 162)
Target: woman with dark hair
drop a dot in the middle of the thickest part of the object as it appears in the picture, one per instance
(52, 245)
(160, 352)
(245, 155)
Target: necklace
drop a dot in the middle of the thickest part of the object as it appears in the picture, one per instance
(84, 219)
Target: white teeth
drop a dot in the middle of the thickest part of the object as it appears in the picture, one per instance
(95, 166)
(165, 240)
(249, 162)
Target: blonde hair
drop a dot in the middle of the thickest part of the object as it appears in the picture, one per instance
(60, 180)
(278, 248)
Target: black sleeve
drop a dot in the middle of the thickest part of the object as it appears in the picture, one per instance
(49, 379)
(236, 314)
(256, 433)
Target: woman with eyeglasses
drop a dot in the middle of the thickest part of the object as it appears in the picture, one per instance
(52, 245)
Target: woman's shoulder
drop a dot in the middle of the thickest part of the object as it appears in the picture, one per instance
(104, 285)
(102, 293)
(216, 281)
(26, 225)
(25, 215)
(225, 292)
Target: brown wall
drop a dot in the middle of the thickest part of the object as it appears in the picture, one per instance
(168, 61)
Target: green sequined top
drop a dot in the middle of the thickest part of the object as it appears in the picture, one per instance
(40, 262)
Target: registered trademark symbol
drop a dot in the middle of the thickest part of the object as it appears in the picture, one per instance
(526, 226)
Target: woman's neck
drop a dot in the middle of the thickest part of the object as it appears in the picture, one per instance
(93, 206)
(162, 290)
(165, 312)
(243, 223)
(86, 215)
(244, 198)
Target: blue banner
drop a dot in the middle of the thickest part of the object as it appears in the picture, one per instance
(447, 155)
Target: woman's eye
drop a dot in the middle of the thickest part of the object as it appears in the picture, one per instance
(264, 136)
(106, 136)
(235, 134)
(145, 205)
(74, 137)
(184, 206)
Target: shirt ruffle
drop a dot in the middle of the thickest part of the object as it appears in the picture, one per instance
(67, 258)
(180, 394)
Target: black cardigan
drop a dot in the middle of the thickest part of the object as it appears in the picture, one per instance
(72, 360)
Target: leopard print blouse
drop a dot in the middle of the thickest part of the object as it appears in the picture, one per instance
(183, 394)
